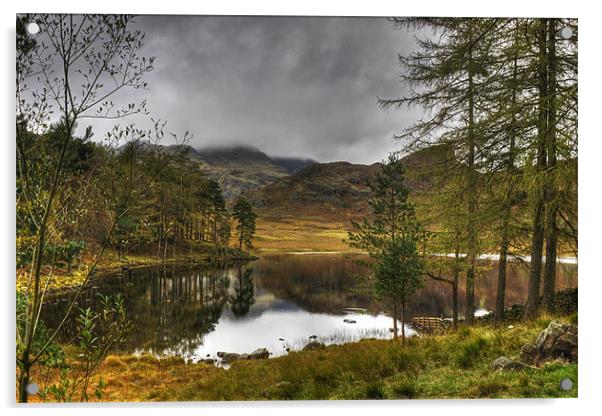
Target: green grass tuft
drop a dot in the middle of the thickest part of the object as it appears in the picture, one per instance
(469, 352)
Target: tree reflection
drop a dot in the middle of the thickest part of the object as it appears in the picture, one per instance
(171, 308)
(244, 296)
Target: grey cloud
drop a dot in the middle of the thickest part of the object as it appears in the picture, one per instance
(291, 86)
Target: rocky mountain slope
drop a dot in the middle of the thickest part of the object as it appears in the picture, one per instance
(339, 190)
(320, 190)
(240, 168)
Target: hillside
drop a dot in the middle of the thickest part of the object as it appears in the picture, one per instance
(325, 190)
(240, 168)
(291, 164)
(338, 190)
(312, 209)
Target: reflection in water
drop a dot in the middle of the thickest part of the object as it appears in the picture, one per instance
(277, 302)
(244, 293)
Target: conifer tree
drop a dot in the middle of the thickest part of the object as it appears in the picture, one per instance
(391, 236)
(245, 217)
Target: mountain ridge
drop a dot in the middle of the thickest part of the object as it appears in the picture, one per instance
(338, 190)
(236, 168)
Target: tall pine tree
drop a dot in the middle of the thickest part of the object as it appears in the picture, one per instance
(391, 236)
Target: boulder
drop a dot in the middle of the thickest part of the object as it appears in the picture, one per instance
(259, 354)
(314, 345)
(529, 354)
(228, 357)
(505, 363)
(557, 341)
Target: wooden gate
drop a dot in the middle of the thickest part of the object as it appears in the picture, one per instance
(429, 324)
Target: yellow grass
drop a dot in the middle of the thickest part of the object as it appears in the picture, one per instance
(302, 234)
(452, 365)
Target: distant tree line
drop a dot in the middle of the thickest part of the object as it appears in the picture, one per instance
(150, 200)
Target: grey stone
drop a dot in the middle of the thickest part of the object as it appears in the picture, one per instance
(505, 363)
(557, 341)
(228, 357)
(529, 353)
(259, 354)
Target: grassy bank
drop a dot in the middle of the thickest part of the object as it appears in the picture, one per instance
(455, 365)
(60, 279)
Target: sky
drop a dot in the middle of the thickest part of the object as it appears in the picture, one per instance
(291, 86)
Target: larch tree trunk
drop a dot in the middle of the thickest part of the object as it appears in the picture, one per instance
(456, 281)
(549, 277)
(538, 214)
(472, 191)
(500, 302)
(403, 323)
(395, 329)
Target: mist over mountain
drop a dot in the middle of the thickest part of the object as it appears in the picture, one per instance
(233, 154)
(238, 168)
(296, 184)
(291, 164)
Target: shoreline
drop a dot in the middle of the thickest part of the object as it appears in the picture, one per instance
(63, 283)
(495, 257)
(349, 371)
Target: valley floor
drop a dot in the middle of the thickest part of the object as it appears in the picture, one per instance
(454, 365)
(301, 234)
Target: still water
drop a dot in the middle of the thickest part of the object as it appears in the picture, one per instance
(277, 302)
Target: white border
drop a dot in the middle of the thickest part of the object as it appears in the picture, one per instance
(590, 152)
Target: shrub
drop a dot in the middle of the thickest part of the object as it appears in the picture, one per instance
(375, 390)
(469, 352)
(404, 360)
(464, 332)
(488, 387)
(406, 388)
(565, 302)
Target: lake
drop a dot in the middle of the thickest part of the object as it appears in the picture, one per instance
(277, 302)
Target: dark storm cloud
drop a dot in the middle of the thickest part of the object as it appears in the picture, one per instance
(296, 86)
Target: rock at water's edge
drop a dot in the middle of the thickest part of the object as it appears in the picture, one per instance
(228, 357)
(259, 354)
